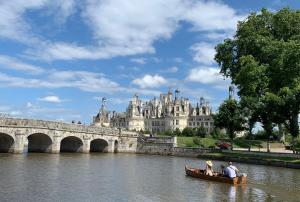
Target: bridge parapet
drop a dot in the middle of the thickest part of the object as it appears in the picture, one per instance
(52, 125)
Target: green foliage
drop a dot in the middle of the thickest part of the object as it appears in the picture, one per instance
(196, 141)
(263, 62)
(230, 117)
(188, 132)
(244, 143)
(217, 134)
(200, 131)
(176, 132)
(260, 135)
(166, 133)
(145, 131)
(297, 144)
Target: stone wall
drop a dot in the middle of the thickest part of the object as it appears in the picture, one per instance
(167, 146)
(155, 145)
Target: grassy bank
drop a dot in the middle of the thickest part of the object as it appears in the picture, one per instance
(209, 142)
(195, 142)
(251, 157)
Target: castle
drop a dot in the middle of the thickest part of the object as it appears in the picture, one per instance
(169, 112)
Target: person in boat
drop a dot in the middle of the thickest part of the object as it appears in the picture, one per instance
(233, 167)
(231, 171)
(208, 169)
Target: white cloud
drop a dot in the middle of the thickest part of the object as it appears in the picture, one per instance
(123, 28)
(209, 76)
(204, 53)
(51, 98)
(149, 81)
(29, 105)
(15, 26)
(85, 81)
(141, 61)
(12, 63)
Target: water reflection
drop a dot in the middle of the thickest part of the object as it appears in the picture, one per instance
(129, 177)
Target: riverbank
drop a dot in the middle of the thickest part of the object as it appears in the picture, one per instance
(167, 146)
(250, 158)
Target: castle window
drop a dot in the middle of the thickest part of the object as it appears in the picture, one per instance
(198, 123)
(177, 114)
(177, 108)
(190, 123)
(177, 122)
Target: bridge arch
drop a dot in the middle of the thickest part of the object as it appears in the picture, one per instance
(6, 143)
(39, 142)
(71, 144)
(99, 145)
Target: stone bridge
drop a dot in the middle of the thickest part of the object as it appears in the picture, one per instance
(22, 135)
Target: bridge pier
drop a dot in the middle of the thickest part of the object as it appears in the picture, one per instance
(111, 146)
(56, 143)
(86, 144)
(19, 143)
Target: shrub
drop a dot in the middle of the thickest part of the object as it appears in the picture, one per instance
(217, 134)
(177, 132)
(297, 144)
(196, 140)
(188, 132)
(200, 131)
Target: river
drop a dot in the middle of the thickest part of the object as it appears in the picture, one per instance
(130, 177)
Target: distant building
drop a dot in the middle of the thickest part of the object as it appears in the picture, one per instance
(168, 112)
(103, 117)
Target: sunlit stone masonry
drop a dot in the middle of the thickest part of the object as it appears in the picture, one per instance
(168, 112)
(22, 135)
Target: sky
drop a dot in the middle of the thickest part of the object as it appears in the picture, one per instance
(58, 58)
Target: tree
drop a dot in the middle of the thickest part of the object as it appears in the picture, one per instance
(188, 132)
(230, 117)
(200, 131)
(263, 60)
(177, 132)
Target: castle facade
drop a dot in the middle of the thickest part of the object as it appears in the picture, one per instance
(168, 112)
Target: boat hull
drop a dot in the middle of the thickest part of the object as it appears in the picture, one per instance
(197, 173)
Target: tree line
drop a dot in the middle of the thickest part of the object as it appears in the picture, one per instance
(263, 62)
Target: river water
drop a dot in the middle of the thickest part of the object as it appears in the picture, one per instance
(129, 177)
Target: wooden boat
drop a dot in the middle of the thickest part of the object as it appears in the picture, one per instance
(194, 172)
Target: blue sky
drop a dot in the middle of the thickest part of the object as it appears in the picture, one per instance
(58, 58)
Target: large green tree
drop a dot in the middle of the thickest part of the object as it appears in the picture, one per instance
(263, 61)
(230, 117)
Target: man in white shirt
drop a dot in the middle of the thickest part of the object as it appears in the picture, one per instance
(233, 167)
(231, 171)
